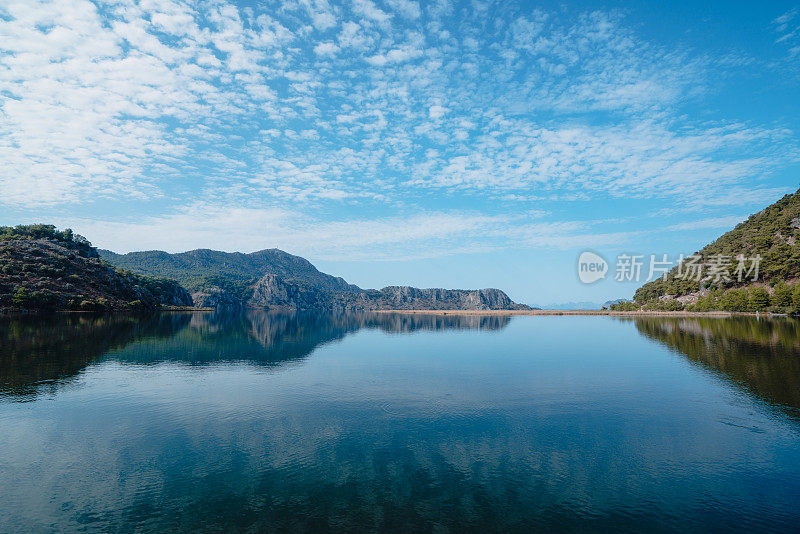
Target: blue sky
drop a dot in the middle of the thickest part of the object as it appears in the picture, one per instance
(455, 144)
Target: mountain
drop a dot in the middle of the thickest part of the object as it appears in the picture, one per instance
(278, 280)
(44, 268)
(234, 272)
(273, 292)
(773, 234)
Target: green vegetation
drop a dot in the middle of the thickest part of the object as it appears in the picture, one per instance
(234, 272)
(759, 298)
(656, 305)
(774, 235)
(239, 288)
(626, 305)
(782, 295)
(785, 299)
(66, 238)
(43, 268)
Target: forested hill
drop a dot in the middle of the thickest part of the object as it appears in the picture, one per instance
(773, 234)
(274, 279)
(235, 272)
(42, 268)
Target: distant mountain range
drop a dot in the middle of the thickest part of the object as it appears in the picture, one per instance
(275, 279)
(42, 267)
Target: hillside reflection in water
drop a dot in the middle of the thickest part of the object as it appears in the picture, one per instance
(195, 422)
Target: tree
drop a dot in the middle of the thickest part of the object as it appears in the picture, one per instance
(796, 297)
(782, 295)
(22, 297)
(759, 298)
(735, 300)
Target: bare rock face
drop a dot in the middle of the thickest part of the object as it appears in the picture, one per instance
(172, 294)
(272, 291)
(277, 280)
(215, 298)
(405, 297)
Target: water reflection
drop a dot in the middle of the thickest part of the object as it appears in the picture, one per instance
(537, 424)
(39, 354)
(762, 356)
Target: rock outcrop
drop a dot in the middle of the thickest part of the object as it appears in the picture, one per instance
(215, 297)
(275, 293)
(200, 269)
(274, 279)
(170, 293)
(406, 297)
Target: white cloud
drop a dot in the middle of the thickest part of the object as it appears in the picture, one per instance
(326, 48)
(88, 119)
(436, 112)
(727, 222)
(169, 101)
(638, 160)
(787, 26)
(419, 235)
(396, 55)
(406, 8)
(368, 9)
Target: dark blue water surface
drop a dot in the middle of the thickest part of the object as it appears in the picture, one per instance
(259, 422)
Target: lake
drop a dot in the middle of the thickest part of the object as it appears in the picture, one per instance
(409, 423)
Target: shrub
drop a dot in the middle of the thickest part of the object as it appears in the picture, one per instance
(735, 300)
(665, 305)
(782, 295)
(47, 231)
(624, 306)
(759, 298)
(41, 299)
(21, 297)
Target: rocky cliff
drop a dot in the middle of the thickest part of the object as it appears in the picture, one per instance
(273, 292)
(406, 297)
(275, 279)
(215, 297)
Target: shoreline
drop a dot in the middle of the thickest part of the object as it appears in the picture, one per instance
(543, 313)
(639, 313)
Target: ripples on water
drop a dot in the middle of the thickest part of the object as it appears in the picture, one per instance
(259, 422)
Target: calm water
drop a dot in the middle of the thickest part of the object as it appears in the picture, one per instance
(398, 423)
